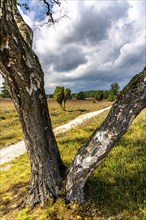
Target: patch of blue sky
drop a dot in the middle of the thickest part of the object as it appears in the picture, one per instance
(37, 6)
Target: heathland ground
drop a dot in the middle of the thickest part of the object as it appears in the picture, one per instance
(115, 190)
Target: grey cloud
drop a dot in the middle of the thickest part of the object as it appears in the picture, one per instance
(70, 59)
(66, 60)
(97, 79)
(92, 26)
(133, 57)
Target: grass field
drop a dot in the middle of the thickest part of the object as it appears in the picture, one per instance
(10, 128)
(114, 191)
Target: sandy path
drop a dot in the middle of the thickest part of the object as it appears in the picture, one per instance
(15, 150)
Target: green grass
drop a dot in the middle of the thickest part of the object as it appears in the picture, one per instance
(115, 190)
(10, 128)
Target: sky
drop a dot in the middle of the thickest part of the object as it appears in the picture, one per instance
(95, 44)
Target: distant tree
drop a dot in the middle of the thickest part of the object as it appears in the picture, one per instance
(81, 96)
(59, 95)
(74, 95)
(105, 94)
(90, 93)
(114, 89)
(99, 95)
(4, 91)
(67, 95)
(111, 97)
(49, 96)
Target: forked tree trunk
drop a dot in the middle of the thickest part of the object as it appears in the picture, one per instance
(129, 104)
(22, 72)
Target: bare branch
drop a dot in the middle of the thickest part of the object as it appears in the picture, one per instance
(48, 23)
(56, 2)
(49, 13)
(61, 15)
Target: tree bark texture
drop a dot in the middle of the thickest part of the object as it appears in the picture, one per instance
(22, 72)
(129, 104)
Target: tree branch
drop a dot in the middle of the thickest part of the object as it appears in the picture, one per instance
(128, 105)
(49, 13)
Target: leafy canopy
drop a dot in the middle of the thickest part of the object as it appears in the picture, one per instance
(67, 94)
(59, 94)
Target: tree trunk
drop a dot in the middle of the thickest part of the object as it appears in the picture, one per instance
(22, 72)
(64, 105)
(61, 106)
(129, 104)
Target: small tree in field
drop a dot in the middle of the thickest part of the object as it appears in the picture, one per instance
(59, 95)
(105, 94)
(81, 96)
(99, 95)
(114, 88)
(67, 95)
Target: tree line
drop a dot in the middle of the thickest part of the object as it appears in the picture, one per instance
(61, 94)
(99, 95)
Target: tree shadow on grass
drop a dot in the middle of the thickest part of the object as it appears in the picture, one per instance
(13, 197)
(123, 188)
(122, 195)
(79, 140)
(78, 110)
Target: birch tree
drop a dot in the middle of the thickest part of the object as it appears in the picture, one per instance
(22, 72)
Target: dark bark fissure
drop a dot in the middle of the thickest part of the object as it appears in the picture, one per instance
(22, 72)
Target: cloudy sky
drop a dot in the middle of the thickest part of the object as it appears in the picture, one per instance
(97, 43)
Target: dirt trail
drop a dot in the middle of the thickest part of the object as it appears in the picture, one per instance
(9, 153)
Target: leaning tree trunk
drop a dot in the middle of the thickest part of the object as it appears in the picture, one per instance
(22, 72)
(129, 104)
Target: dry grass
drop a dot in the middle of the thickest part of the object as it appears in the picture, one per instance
(10, 128)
